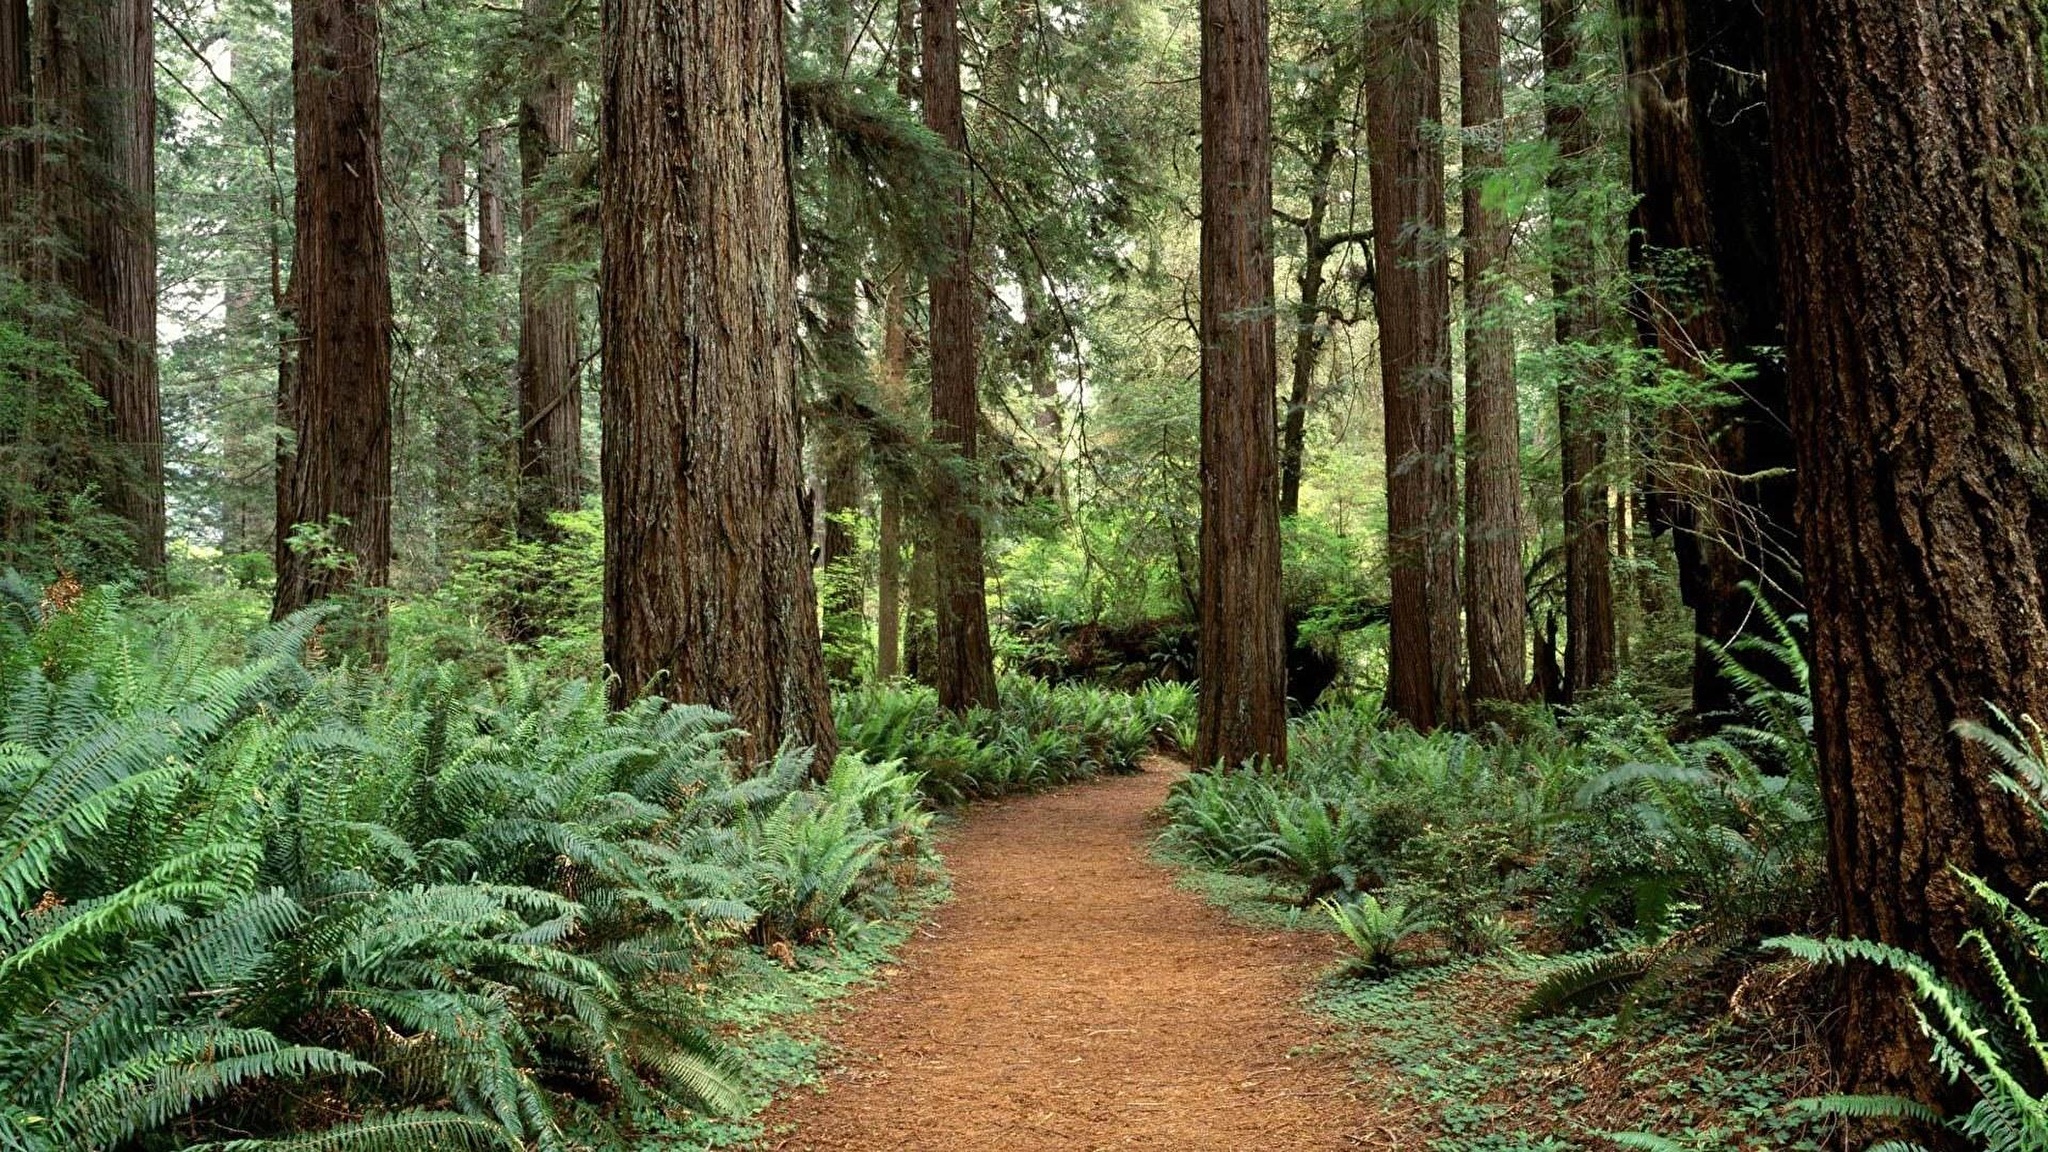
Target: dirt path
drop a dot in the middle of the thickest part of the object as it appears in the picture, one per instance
(1071, 998)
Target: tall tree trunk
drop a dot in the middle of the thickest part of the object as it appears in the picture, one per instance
(1907, 147)
(17, 153)
(334, 476)
(1413, 303)
(708, 591)
(1706, 260)
(490, 201)
(550, 394)
(889, 533)
(96, 86)
(1581, 323)
(1496, 611)
(843, 363)
(966, 660)
(1243, 691)
(450, 201)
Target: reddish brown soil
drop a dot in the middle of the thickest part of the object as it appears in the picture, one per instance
(1071, 998)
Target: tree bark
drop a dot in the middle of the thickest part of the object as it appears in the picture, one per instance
(1412, 302)
(17, 153)
(490, 201)
(1581, 323)
(1309, 330)
(452, 197)
(550, 393)
(1243, 690)
(708, 590)
(1496, 608)
(335, 473)
(1706, 261)
(96, 86)
(889, 533)
(1907, 151)
(966, 660)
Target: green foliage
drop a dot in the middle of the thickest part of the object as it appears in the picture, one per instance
(438, 908)
(1042, 735)
(1993, 1040)
(1375, 930)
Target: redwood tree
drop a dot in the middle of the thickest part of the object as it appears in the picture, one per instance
(550, 394)
(1495, 602)
(334, 473)
(1705, 261)
(966, 673)
(1908, 149)
(1412, 301)
(708, 591)
(1243, 692)
(95, 89)
(17, 157)
(1581, 323)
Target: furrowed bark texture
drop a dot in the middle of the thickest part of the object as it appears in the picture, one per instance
(708, 591)
(1908, 157)
(550, 393)
(95, 86)
(1243, 690)
(337, 394)
(1495, 599)
(1705, 256)
(1588, 565)
(966, 674)
(1412, 302)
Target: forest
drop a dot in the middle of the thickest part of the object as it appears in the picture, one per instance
(647, 575)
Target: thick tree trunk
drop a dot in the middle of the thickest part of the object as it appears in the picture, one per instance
(1706, 257)
(1908, 140)
(450, 201)
(95, 86)
(1243, 691)
(17, 153)
(1403, 111)
(708, 591)
(334, 476)
(1495, 598)
(1581, 323)
(550, 393)
(966, 661)
(889, 533)
(490, 201)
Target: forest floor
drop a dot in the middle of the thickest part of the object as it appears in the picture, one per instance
(1071, 997)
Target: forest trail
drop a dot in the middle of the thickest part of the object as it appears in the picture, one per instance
(1071, 997)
